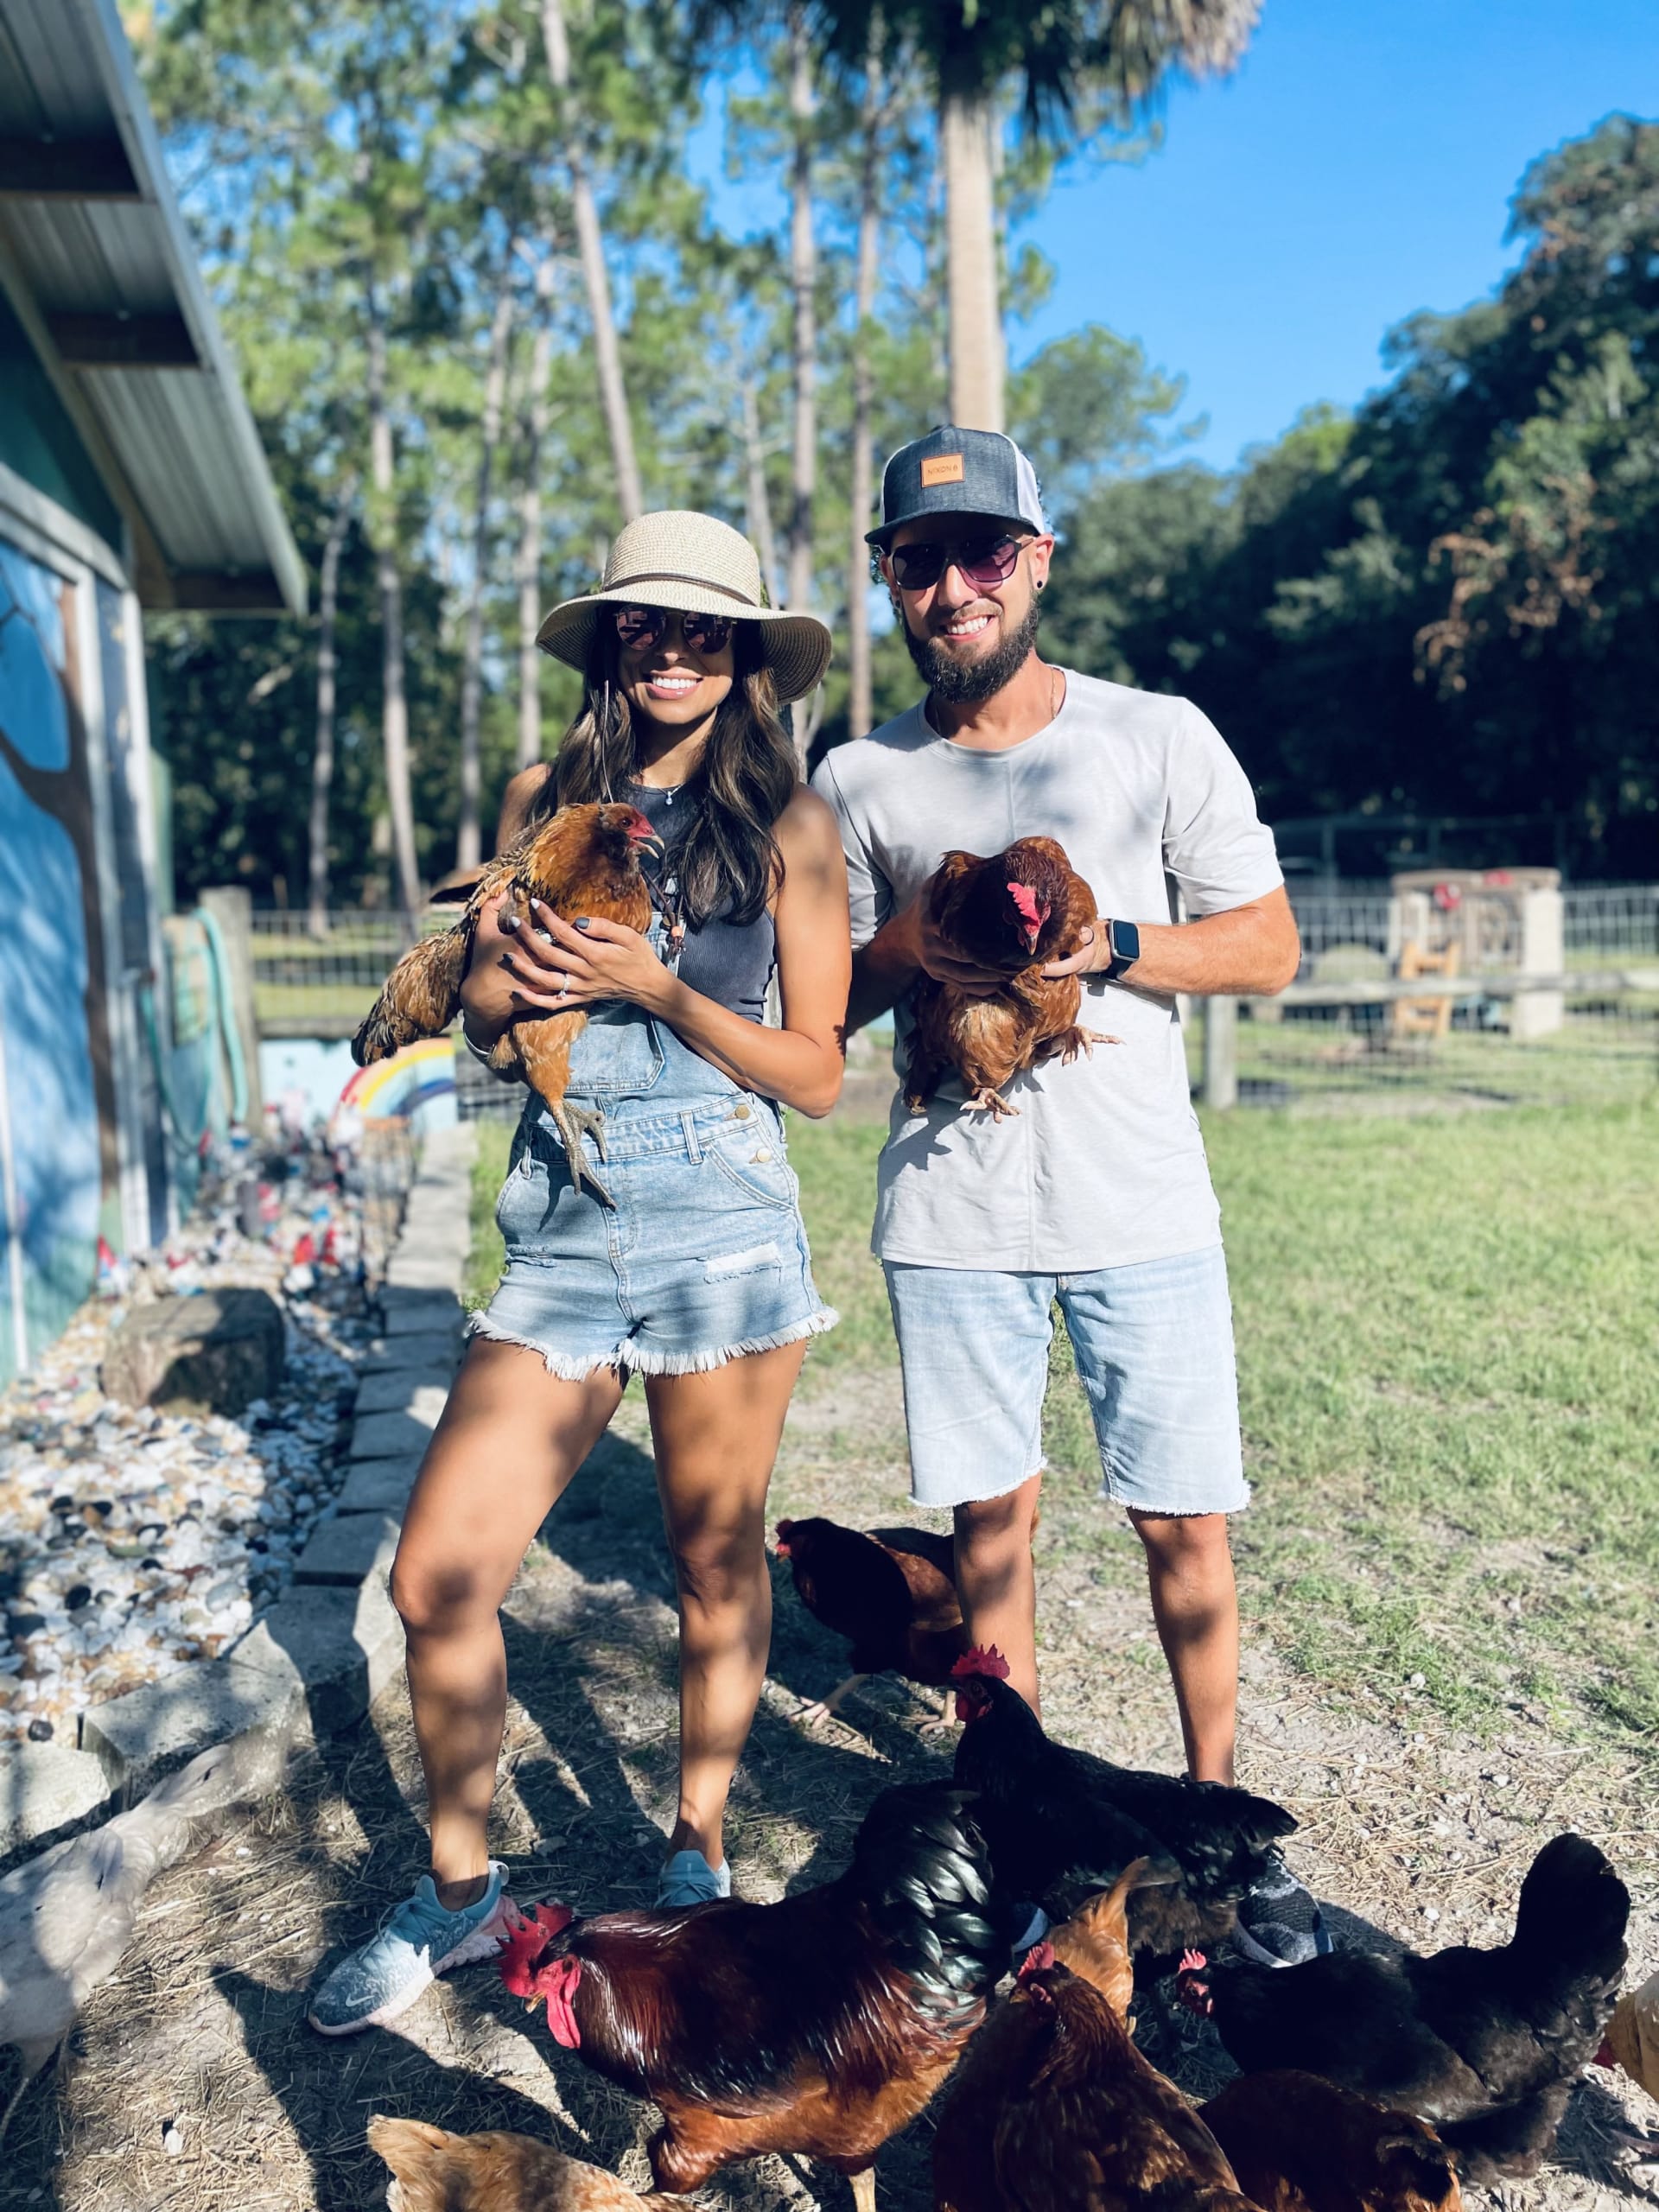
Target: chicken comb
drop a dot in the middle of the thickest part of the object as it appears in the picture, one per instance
(782, 1539)
(980, 1661)
(1026, 900)
(527, 1936)
(1192, 1962)
(1038, 1959)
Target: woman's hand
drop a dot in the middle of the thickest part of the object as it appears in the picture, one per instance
(585, 961)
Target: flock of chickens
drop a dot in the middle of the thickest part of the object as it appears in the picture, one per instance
(821, 2024)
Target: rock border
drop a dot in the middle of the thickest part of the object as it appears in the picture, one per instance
(315, 1661)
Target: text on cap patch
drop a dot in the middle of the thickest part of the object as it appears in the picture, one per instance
(942, 468)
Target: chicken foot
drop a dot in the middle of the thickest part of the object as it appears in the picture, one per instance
(1070, 1042)
(863, 2188)
(945, 1718)
(993, 1103)
(814, 1715)
(573, 1123)
(34, 2055)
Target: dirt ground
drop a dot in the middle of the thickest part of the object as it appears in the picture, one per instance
(1424, 1837)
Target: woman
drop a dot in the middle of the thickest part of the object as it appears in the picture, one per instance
(696, 1274)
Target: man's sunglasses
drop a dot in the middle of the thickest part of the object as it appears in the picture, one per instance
(985, 563)
(640, 627)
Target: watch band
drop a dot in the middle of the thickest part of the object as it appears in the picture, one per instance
(1123, 940)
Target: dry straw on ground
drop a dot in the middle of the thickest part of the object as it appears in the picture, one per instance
(203, 2028)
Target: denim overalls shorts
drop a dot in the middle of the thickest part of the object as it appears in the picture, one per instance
(703, 1256)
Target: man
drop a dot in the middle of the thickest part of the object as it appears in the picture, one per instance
(1097, 1194)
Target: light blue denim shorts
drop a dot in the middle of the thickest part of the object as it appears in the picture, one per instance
(1153, 1345)
(702, 1259)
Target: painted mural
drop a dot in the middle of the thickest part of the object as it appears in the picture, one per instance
(52, 1148)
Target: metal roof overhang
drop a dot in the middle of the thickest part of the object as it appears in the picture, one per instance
(97, 266)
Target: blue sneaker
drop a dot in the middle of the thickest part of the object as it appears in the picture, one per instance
(688, 1879)
(1279, 1923)
(416, 1941)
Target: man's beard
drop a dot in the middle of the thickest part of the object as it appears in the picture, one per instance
(968, 684)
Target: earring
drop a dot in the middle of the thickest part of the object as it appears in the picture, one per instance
(1042, 583)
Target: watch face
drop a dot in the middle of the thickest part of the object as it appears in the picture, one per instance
(1126, 941)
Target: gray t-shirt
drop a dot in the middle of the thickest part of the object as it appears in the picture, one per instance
(1104, 1165)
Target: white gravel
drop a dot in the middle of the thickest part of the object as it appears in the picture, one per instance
(133, 1542)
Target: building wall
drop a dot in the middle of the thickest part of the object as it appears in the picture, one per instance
(54, 1179)
(82, 1141)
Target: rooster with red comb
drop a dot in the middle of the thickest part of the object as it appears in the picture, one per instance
(1010, 914)
(819, 2025)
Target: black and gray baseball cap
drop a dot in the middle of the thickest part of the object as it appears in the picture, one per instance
(953, 471)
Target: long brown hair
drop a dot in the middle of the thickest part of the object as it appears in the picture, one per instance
(744, 778)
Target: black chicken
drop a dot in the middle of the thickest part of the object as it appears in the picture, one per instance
(1062, 1822)
(1483, 2042)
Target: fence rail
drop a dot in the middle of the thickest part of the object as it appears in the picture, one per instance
(1358, 1030)
(1588, 1026)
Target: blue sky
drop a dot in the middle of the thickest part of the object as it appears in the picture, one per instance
(1358, 167)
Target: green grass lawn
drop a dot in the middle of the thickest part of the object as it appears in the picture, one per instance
(1448, 1330)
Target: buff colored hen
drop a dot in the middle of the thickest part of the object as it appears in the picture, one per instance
(1633, 2042)
(436, 2171)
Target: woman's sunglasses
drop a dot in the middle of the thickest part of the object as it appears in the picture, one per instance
(982, 562)
(640, 627)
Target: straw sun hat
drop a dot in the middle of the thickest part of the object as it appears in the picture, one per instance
(697, 565)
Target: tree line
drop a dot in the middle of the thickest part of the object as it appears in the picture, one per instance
(1444, 601)
(485, 313)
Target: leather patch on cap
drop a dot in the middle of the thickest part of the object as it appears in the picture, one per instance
(942, 468)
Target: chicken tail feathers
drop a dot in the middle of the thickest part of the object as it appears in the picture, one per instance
(925, 1871)
(1572, 1913)
(420, 997)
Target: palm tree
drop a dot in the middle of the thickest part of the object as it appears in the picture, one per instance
(1080, 64)
(872, 116)
(590, 244)
(468, 844)
(383, 510)
(323, 752)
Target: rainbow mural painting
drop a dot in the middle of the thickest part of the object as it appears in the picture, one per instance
(418, 1075)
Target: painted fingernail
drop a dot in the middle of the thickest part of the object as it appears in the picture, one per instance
(509, 922)
(581, 921)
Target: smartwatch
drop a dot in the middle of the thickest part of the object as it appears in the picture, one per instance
(1123, 942)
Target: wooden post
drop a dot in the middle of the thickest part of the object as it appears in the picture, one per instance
(1221, 1054)
(232, 909)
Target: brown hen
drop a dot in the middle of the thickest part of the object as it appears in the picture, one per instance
(436, 2171)
(891, 1594)
(585, 860)
(1053, 2109)
(1012, 912)
(1299, 2144)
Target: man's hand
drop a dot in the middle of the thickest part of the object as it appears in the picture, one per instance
(1092, 953)
(938, 957)
(1249, 951)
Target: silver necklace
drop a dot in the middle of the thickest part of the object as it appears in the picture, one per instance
(670, 791)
